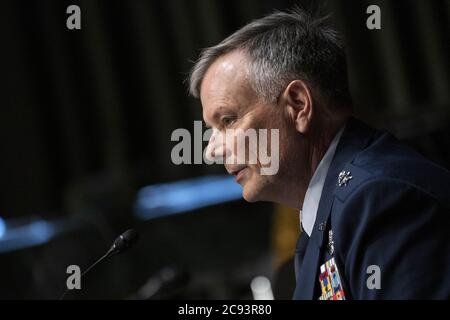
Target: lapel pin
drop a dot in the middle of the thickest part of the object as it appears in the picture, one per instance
(344, 177)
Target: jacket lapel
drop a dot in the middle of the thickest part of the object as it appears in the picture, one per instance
(354, 138)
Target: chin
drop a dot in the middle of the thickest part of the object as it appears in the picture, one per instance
(251, 193)
(249, 197)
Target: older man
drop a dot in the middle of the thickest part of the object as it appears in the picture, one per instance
(374, 213)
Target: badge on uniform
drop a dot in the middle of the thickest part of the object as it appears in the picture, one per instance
(330, 282)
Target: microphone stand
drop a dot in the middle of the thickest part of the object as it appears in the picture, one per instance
(104, 257)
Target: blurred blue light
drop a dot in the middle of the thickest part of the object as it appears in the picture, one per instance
(2, 227)
(187, 195)
(27, 235)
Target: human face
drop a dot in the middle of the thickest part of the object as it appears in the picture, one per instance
(229, 102)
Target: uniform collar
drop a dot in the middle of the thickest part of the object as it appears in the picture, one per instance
(314, 192)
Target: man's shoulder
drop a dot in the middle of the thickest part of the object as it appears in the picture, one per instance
(386, 162)
(391, 209)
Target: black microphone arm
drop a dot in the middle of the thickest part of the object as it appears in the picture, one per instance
(123, 242)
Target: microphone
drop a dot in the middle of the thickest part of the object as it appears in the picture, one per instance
(123, 242)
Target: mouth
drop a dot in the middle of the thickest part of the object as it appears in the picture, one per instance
(239, 173)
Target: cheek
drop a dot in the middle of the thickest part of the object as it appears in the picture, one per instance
(287, 137)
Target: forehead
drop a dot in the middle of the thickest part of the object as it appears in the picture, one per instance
(225, 84)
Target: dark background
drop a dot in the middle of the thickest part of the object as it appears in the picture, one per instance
(86, 119)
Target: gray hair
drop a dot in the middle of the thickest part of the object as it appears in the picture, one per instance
(282, 47)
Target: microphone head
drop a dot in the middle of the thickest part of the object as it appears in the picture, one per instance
(125, 241)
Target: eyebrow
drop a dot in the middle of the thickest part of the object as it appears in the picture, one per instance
(217, 113)
(220, 111)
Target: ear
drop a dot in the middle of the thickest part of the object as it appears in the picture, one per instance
(297, 98)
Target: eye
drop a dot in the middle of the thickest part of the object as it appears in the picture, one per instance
(227, 121)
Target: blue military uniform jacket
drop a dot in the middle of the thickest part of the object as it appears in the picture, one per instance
(389, 209)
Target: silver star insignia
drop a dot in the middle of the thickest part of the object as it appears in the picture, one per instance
(344, 178)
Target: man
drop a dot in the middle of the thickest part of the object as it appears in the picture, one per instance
(374, 213)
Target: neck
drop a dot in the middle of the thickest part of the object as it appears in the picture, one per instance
(316, 145)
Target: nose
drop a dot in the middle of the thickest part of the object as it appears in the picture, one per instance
(216, 151)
